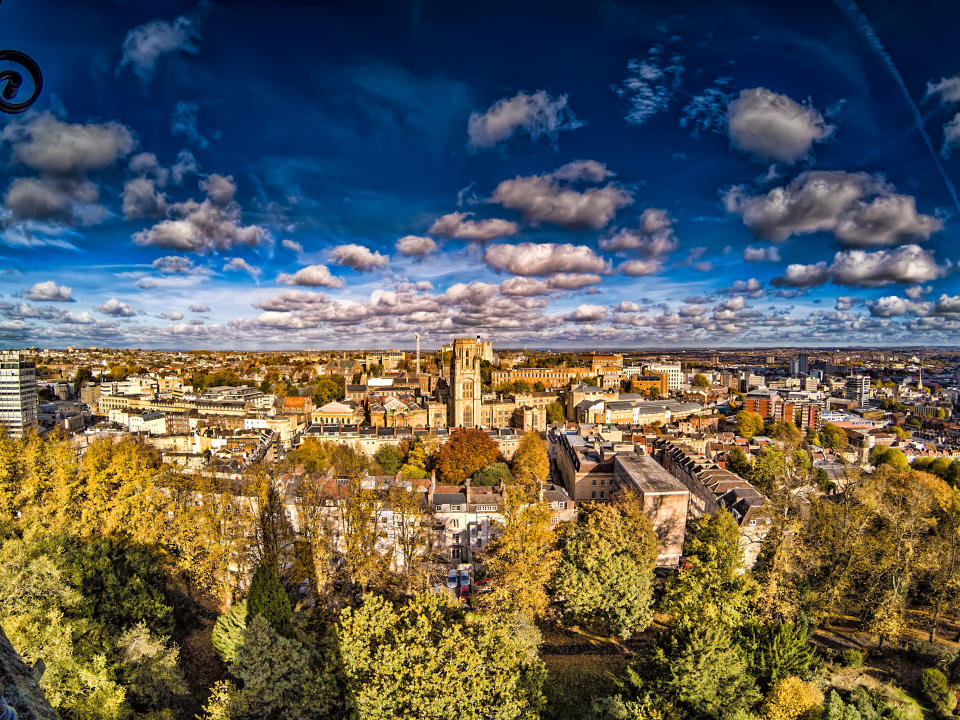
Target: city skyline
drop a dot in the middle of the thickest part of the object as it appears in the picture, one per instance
(613, 176)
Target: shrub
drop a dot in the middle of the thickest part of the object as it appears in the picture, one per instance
(792, 699)
(851, 657)
(934, 685)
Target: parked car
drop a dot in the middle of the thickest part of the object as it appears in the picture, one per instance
(452, 579)
(464, 581)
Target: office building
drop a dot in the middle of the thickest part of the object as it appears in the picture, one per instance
(18, 394)
(673, 371)
(857, 388)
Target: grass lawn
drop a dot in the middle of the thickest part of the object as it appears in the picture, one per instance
(574, 680)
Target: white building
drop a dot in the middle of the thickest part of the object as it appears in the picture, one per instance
(673, 371)
(18, 394)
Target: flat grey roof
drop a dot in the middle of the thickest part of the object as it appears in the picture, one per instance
(648, 474)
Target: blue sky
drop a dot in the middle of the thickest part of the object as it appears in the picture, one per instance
(546, 174)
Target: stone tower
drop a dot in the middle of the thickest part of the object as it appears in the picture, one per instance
(464, 397)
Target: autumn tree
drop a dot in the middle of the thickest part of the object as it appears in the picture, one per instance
(738, 463)
(409, 530)
(389, 459)
(359, 511)
(521, 561)
(467, 450)
(749, 424)
(556, 413)
(606, 566)
(832, 436)
(530, 462)
(700, 381)
(402, 660)
(714, 590)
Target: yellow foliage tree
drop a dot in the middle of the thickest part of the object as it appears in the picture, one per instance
(792, 699)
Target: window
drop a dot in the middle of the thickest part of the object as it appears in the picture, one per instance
(455, 508)
(601, 494)
(439, 508)
(455, 523)
(603, 481)
(562, 505)
(455, 553)
(486, 508)
(594, 481)
(593, 495)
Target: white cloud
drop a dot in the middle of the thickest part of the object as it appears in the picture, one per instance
(948, 89)
(146, 164)
(115, 308)
(761, 254)
(549, 197)
(544, 259)
(358, 257)
(917, 291)
(628, 306)
(909, 264)
(142, 199)
(951, 136)
(237, 264)
(771, 126)
(457, 225)
(174, 264)
(587, 313)
(535, 114)
(47, 144)
(49, 291)
(636, 268)
(948, 305)
(416, 246)
(311, 276)
(292, 245)
(186, 164)
(655, 238)
(145, 44)
(199, 308)
(651, 84)
(66, 199)
(185, 122)
(859, 209)
(208, 226)
(893, 306)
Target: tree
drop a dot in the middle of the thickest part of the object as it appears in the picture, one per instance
(700, 381)
(769, 468)
(81, 376)
(778, 650)
(699, 669)
(738, 463)
(538, 386)
(415, 464)
(832, 436)
(792, 699)
(228, 631)
(556, 413)
(389, 459)
(894, 457)
(749, 424)
(714, 590)
(409, 529)
(467, 450)
(937, 690)
(531, 463)
(899, 432)
(522, 559)
(606, 566)
(269, 600)
(400, 661)
(359, 511)
(787, 433)
(280, 677)
(492, 475)
(328, 389)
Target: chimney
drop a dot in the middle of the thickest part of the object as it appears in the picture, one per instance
(433, 486)
(469, 493)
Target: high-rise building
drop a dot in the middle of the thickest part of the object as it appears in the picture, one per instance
(858, 389)
(673, 371)
(803, 364)
(18, 394)
(463, 401)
